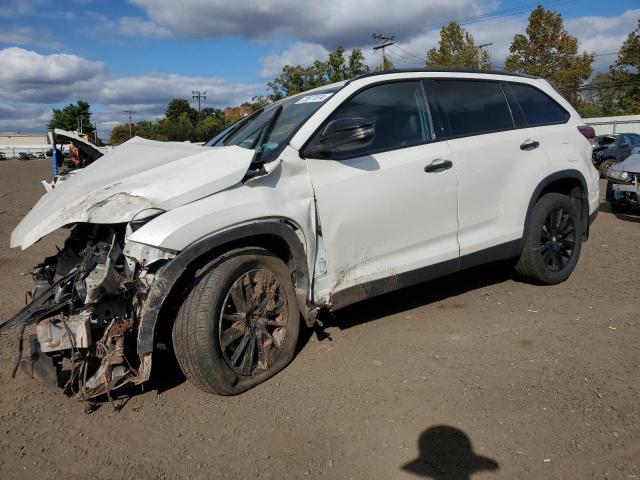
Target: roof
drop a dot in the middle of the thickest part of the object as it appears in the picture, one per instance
(444, 70)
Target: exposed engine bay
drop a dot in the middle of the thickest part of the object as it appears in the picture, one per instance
(85, 307)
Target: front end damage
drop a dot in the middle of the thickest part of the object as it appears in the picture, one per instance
(83, 316)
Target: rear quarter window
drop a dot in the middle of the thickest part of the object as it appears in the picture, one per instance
(537, 107)
(474, 107)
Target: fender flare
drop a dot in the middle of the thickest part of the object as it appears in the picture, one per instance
(554, 177)
(167, 276)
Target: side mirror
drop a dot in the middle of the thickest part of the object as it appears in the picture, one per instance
(342, 136)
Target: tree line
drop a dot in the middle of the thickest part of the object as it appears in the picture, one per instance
(546, 49)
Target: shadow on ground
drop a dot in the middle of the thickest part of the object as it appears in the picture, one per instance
(627, 214)
(446, 453)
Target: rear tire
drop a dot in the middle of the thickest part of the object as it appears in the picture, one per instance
(239, 324)
(552, 241)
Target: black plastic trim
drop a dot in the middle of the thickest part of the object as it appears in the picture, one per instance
(167, 276)
(357, 293)
(441, 70)
(560, 175)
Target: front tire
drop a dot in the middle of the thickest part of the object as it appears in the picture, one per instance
(239, 325)
(552, 241)
(604, 166)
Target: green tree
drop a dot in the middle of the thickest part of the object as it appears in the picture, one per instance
(179, 106)
(120, 133)
(355, 64)
(601, 97)
(549, 51)
(626, 74)
(150, 131)
(297, 79)
(72, 117)
(457, 49)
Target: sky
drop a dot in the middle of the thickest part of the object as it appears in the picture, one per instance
(139, 54)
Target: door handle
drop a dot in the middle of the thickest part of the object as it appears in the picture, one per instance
(529, 145)
(438, 165)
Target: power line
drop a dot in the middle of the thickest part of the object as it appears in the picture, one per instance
(130, 113)
(386, 42)
(197, 94)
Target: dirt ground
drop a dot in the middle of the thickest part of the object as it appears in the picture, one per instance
(498, 378)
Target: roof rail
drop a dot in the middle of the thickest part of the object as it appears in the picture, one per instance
(441, 70)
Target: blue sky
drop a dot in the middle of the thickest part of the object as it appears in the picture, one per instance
(141, 53)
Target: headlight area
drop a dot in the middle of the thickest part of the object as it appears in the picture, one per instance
(618, 176)
(84, 309)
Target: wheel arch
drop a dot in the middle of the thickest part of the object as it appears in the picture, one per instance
(567, 182)
(171, 280)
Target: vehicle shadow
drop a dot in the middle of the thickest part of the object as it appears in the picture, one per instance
(420, 295)
(446, 453)
(629, 215)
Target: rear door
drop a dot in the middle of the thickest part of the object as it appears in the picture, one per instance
(498, 164)
(385, 210)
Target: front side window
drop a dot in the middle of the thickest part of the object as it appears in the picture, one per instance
(474, 107)
(538, 108)
(398, 112)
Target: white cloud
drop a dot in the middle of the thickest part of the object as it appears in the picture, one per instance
(30, 79)
(17, 8)
(19, 35)
(139, 27)
(29, 76)
(300, 53)
(331, 23)
(595, 34)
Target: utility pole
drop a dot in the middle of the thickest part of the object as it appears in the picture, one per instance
(386, 42)
(130, 113)
(480, 47)
(197, 95)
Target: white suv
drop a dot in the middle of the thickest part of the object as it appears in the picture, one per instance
(314, 202)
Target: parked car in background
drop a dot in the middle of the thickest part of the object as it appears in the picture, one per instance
(314, 202)
(24, 156)
(623, 182)
(3, 156)
(611, 148)
(39, 155)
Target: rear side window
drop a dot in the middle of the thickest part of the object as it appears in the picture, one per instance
(538, 108)
(474, 107)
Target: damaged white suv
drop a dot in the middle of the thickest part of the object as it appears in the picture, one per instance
(314, 202)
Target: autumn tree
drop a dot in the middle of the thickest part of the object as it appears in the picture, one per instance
(120, 133)
(457, 49)
(625, 74)
(549, 51)
(73, 117)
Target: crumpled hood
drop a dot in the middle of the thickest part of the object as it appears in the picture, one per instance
(630, 164)
(135, 176)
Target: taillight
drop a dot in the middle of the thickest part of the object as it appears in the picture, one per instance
(588, 132)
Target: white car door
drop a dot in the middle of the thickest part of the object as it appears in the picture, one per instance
(499, 167)
(390, 208)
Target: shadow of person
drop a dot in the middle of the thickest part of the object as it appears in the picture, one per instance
(446, 454)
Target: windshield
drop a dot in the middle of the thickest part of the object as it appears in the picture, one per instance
(604, 141)
(269, 129)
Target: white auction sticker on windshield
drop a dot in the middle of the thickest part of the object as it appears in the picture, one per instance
(314, 98)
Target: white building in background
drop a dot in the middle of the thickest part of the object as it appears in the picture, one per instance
(13, 143)
(619, 124)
